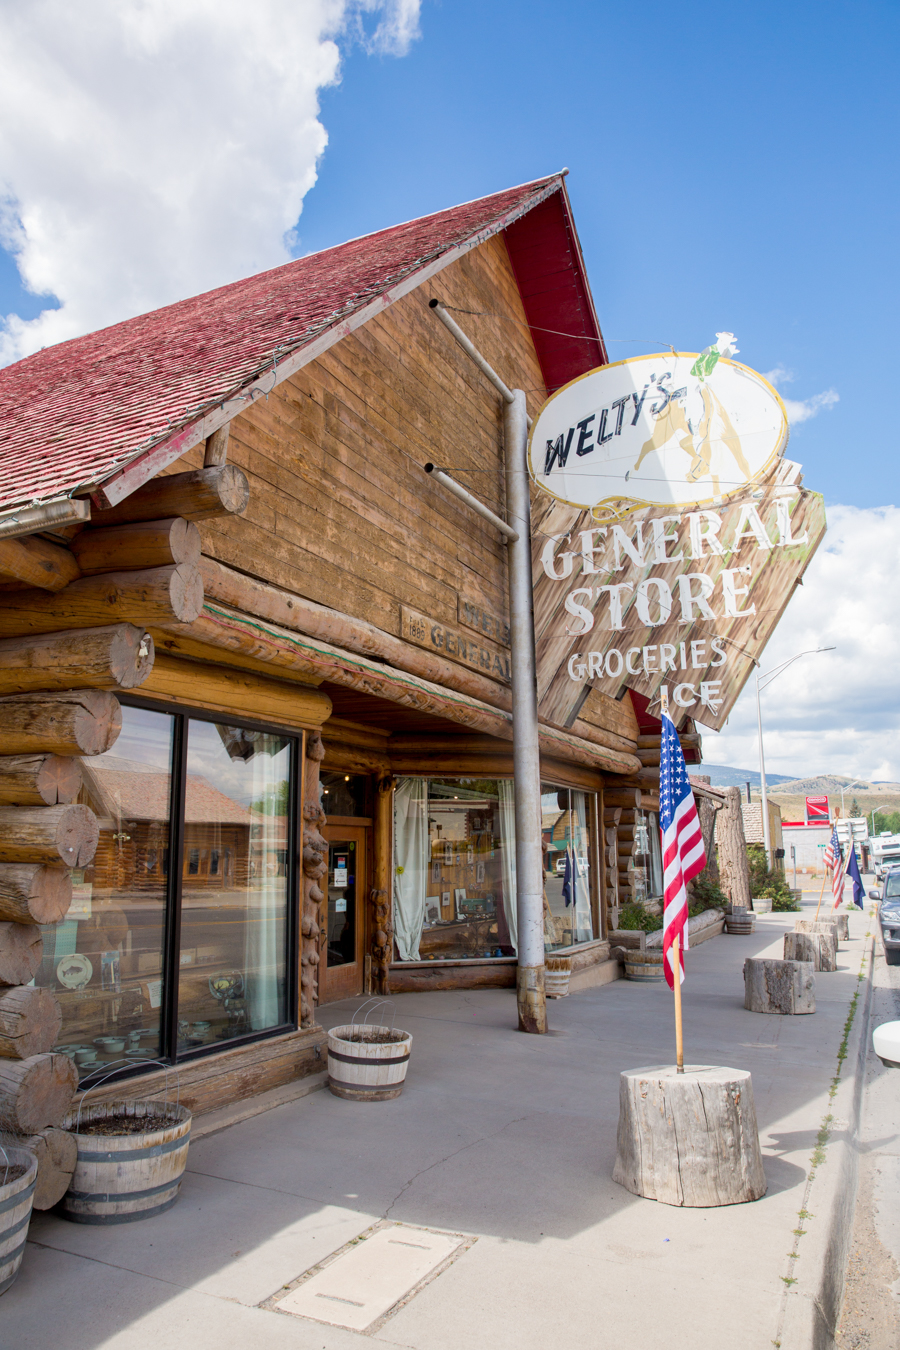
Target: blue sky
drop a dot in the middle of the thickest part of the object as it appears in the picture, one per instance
(731, 167)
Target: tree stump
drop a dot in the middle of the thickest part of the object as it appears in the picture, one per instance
(819, 948)
(689, 1139)
(837, 924)
(779, 986)
(733, 866)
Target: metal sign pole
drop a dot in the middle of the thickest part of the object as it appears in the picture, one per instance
(530, 997)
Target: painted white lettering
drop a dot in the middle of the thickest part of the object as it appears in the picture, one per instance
(732, 592)
(663, 595)
(708, 536)
(576, 667)
(649, 655)
(609, 663)
(691, 598)
(683, 653)
(750, 526)
(595, 665)
(709, 694)
(622, 542)
(678, 695)
(667, 657)
(589, 548)
(615, 603)
(783, 517)
(661, 539)
(720, 652)
(580, 612)
(632, 651)
(698, 655)
(549, 559)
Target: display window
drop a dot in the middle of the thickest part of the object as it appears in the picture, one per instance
(180, 935)
(648, 869)
(454, 887)
(566, 842)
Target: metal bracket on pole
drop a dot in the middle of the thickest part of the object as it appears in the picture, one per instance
(530, 996)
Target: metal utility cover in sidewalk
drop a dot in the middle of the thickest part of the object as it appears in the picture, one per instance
(367, 1280)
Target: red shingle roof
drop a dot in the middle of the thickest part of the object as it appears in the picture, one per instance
(142, 392)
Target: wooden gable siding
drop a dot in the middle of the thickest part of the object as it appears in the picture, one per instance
(341, 510)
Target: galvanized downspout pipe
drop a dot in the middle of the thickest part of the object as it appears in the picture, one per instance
(530, 997)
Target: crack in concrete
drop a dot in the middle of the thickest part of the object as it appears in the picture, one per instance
(455, 1154)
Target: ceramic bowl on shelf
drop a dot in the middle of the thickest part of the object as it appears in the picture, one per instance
(109, 1045)
(84, 1057)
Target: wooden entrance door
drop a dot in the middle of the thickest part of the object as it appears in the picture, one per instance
(343, 937)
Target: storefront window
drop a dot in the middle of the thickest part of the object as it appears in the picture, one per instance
(566, 840)
(648, 872)
(218, 919)
(454, 868)
(344, 794)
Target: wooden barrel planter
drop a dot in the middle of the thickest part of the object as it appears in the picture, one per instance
(762, 904)
(645, 967)
(557, 973)
(18, 1177)
(367, 1063)
(131, 1158)
(741, 923)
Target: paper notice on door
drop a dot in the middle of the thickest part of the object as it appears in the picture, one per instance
(340, 876)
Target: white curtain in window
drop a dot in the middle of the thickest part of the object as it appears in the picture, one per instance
(266, 896)
(508, 856)
(583, 923)
(411, 859)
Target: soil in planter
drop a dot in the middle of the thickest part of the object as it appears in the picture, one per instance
(381, 1038)
(125, 1125)
(11, 1173)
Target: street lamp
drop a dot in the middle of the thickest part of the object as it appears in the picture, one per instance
(763, 682)
(857, 782)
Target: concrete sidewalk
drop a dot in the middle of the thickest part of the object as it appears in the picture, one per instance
(505, 1138)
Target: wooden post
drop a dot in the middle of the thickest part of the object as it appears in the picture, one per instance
(315, 867)
(679, 1039)
(216, 451)
(39, 780)
(36, 1092)
(382, 927)
(36, 562)
(30, 1020)
(116, 657)
(200, 494)
(822, 891)
(48, 834)
(138, 545)
(786, 987)
(80, 722)
(159, 595)
(735, 872)
(34, 893)
(819, 948)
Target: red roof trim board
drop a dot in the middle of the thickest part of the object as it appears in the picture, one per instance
(105, 412)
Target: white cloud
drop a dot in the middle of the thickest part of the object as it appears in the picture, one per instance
(801, 410)
(152, 149)
(838, 711)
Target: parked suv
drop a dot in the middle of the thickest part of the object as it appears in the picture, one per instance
(889, 914)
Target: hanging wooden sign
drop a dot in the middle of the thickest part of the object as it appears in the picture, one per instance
(669, 534)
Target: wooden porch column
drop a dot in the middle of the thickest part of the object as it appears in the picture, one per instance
(382, 928)
(315, 866)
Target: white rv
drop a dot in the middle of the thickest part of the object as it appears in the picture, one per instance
(885, 852)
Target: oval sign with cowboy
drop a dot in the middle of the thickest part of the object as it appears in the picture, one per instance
(679, 429)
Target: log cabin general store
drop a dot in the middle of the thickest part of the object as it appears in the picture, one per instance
(254, 662)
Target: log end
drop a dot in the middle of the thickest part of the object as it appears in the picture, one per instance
(59, 781)
(186, 593)
(131, 656)
(77, 836)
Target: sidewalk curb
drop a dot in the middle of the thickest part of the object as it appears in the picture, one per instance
(813, 1304)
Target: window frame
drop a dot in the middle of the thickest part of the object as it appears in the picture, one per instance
(182, 714)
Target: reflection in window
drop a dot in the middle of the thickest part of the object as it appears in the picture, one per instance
(566, 847)
(104, 961)
(648, 872)
(232, 966)
(454, 868)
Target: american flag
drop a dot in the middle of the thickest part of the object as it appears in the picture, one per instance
(834, 858)
(682, 843)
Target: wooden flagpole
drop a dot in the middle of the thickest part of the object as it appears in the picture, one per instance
(676, 949)
(679, 1039)
(822, 891)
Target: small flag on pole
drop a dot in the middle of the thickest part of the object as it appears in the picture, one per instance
(682, 844)
(834, 858)
(853, 873)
